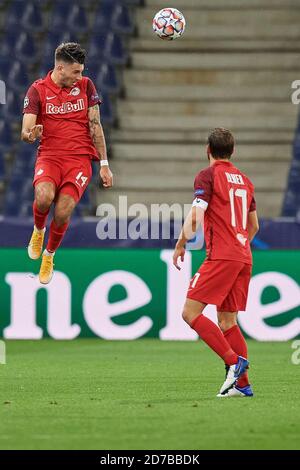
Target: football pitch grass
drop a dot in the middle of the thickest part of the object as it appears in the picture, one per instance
(144, 394)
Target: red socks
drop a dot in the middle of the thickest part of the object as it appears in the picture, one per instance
(40, 218)
(237, 341)
(213, 337)
(56, 235)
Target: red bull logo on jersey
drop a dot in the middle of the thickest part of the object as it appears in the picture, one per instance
(65, 108)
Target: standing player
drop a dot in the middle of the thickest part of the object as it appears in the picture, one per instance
(224, 200)
(63, 110)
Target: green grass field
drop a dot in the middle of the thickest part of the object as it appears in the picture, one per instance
(145, 394)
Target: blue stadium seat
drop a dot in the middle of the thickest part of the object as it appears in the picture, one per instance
(106, 110)
(77, 21)
(108, 46)
(2, 167)
(5, 135)
(59, 15)
(106, 79)
(121, 20)
(114, 50)
(91, 70)
(17, 77)
(32, 18)
(14, 13)
(12, 109)
(95, 50)
(11, 203)
(8, 44)
(25, 48)
(67, 14)
(103, 16)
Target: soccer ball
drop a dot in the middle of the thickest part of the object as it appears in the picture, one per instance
(169, 23)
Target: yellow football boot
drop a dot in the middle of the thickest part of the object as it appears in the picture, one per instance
(35, 246)
(47, 266)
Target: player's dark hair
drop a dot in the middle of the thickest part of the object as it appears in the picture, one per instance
(221, 143)
(70, 52)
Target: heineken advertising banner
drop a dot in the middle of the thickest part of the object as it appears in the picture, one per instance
(128, 294)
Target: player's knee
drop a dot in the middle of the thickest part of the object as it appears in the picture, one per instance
(62, 217)
(226, 324)
(44, 199)
(187, 316)
(63, 214)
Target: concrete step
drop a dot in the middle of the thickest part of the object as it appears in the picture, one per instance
(200, 137)
(209, 92)
(216, 61)
(230, 23)
(197, 123)
(207, 78)
(194, 152)
(190, 44)
(180, 175)
(221, 4)
(173, 109)
(269, 203)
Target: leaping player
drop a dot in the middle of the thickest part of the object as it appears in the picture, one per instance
(62, 110)
(224, 200)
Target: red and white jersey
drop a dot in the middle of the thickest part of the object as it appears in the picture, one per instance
(227, 196)
(63, 112)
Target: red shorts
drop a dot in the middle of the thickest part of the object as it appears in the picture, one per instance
(222, 283)
(70, 175)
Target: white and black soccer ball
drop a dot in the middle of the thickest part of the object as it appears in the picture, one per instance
(169, 24)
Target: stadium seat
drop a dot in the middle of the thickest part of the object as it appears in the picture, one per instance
(77, 20)
(5, 135)
(114, 50)
(103, 16)
(2, 167)
(106, 79)
(106, 109)
(32, 18)
(12, 109)
(25, 48)
(111, 47)
(8, 44)
(59, 16)
(91, 70)
(11, 203)
(121, 21)
(14, 13)
(17, 77)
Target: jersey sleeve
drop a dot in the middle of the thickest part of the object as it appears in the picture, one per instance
(92, 95)
(203, 188)
(32, 102)
(252, 205)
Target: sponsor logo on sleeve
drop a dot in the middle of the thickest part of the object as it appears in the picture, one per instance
(26, 101)
(199, 192)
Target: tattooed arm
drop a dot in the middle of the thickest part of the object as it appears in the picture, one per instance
(98, 139)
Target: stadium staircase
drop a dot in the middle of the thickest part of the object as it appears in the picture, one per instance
(233, 68)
